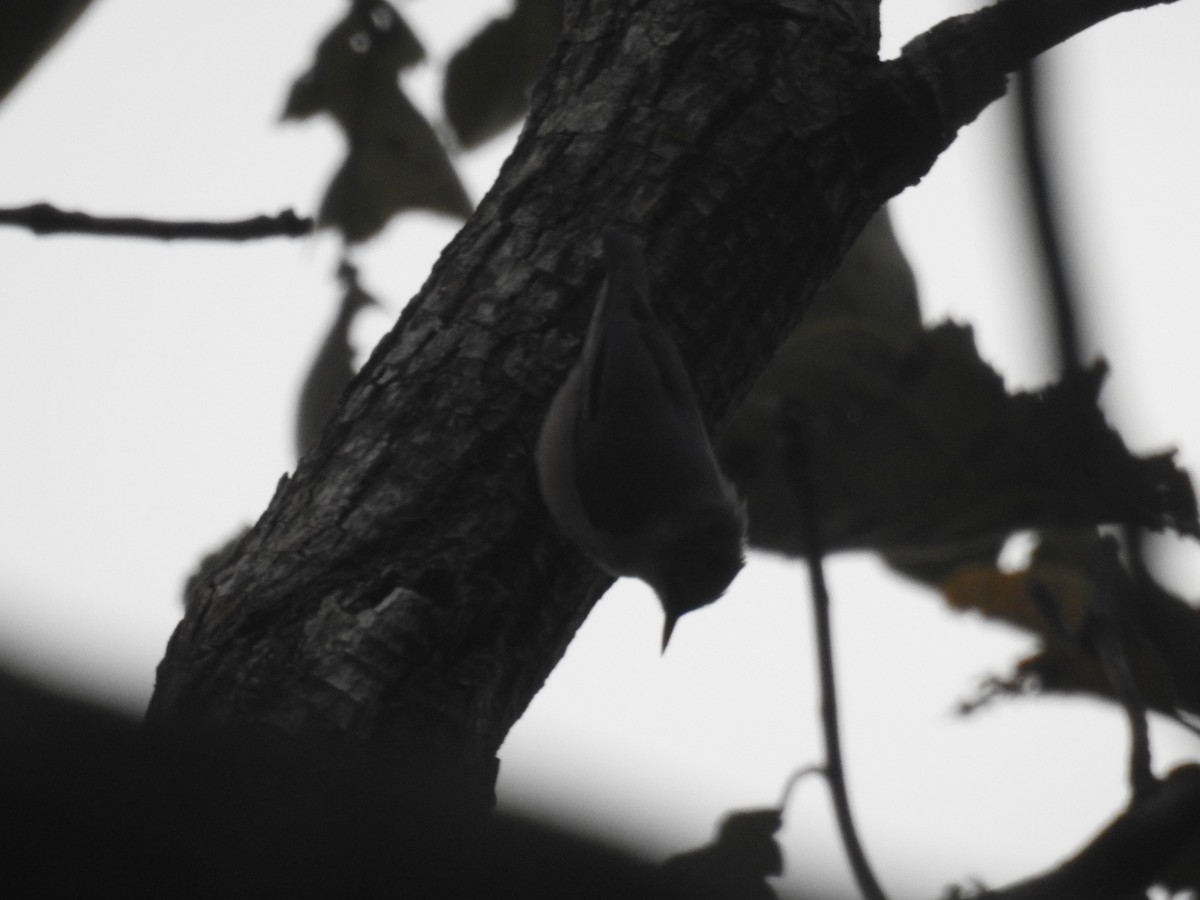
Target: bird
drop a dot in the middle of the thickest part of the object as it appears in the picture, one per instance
(333, 366)
(624, 463)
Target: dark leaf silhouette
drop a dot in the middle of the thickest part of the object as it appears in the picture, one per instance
(395, 161)
(918, 451)
(371, 44)
(736, 864)
(333, 366)
(488, 81)
(27, 31)
(1184, 874)
(874, 287)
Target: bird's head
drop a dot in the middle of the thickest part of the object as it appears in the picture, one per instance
(699, 562)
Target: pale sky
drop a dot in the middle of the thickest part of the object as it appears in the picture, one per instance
(147, 393)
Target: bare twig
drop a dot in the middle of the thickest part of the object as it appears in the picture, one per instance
(868, 885)
(1110, 646)
(1113, 653)
(1062, 298)
(794, 779)
(42, 218)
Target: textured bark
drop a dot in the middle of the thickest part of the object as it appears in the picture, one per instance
(406, 585)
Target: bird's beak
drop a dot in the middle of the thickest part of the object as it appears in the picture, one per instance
(668, 627)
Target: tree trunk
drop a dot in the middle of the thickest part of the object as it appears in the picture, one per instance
(405, 585)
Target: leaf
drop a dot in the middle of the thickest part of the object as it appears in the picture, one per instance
(914, 447)
(369, 46)
(916, 450)
(488, 80)
(1054, 600)
(1184, 874)
(28, 31)
(333, 366)
(736, 864)
(874, 286)
(394, 161)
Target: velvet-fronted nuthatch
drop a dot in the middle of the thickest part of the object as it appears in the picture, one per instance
(624, 461)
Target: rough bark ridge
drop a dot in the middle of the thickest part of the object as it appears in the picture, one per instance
(405, 585)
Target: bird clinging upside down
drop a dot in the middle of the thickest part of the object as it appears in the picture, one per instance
(624, 461)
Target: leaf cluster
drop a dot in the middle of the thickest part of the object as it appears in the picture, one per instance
(394, 160)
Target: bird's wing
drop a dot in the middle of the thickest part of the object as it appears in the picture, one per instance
(642, 453)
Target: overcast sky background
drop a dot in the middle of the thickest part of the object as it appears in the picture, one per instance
(147, 397)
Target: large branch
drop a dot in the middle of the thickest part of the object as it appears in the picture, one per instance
(405, 584)
(1158, 831)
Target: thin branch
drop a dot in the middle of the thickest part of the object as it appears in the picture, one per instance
(42, 218)
(1000, 38)
(868, 885)
(948, 75)
(1113, 652)
(1111, 647)
(1046, 216)
(794, 779)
